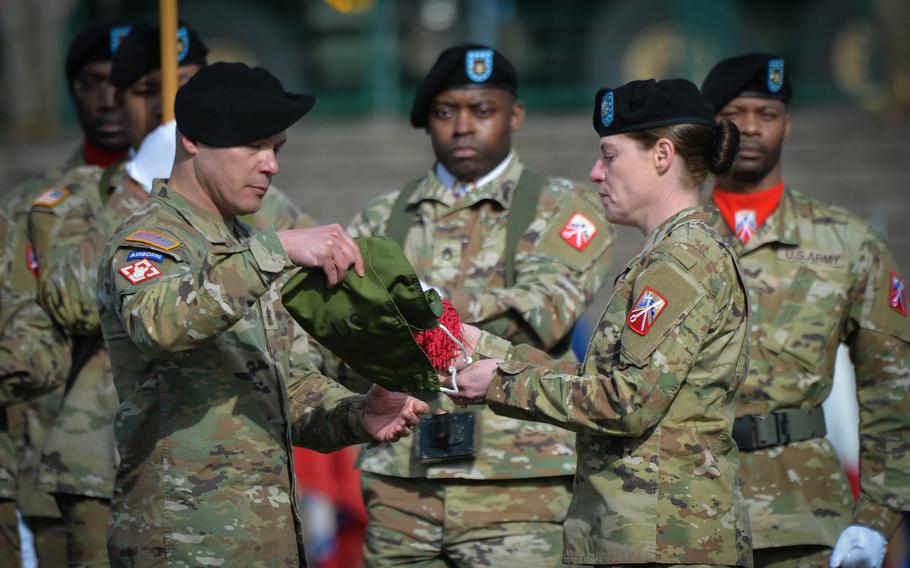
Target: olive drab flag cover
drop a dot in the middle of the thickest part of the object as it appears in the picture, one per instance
(371, 322)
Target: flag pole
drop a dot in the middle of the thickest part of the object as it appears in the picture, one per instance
(167, 14)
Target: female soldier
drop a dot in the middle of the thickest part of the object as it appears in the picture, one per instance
(653, 403)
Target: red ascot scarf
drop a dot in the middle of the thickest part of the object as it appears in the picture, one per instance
(95, 156)
(746, 212)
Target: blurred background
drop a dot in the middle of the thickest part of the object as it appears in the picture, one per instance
(849, 61)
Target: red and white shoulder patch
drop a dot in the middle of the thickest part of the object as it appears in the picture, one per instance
(51, 197)
(648, 306)
(31, 260)
(897, 295)
(139, 271)
(578, 232)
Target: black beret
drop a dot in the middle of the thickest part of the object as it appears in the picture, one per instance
(140, 52)
(640, 105)
(94, 43)
(754, 74)
(230, 104)
(461, 66)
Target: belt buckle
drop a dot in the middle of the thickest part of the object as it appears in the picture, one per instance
(765, 431)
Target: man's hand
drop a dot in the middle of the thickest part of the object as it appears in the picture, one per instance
(389, 416)
(859, 547)
(328, 247)
(472, 382)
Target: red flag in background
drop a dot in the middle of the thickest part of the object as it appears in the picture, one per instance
(328, 488)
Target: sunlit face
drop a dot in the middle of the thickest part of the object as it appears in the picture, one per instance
(763, 125)
(142, 102)
(625, 175)
(237, 178)
(101, 118)
(471, 129)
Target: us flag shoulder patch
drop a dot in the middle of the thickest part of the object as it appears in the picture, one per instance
(51, 197)
(578, 232)
(139, 271)
(157, 240)
(648, 306)
(897, 295)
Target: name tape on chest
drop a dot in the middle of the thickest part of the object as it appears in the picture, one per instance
(897, 295)
(648, 306)
(154, 239)
(578, 232)
(51, 197)
(139, 271)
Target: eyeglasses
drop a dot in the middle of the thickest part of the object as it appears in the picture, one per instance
(90, 84)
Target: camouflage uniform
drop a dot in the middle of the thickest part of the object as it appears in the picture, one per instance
(206, 362)
(819, 277)
(657, 465)
(79, 459)
(520, 468)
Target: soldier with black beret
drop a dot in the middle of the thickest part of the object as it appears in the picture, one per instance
(652, 405)
(212, 373)
(519, 254)
(818, 277)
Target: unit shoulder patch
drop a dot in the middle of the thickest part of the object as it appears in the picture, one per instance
(51, 197)
(154, 239)
(578, 232)
(139, 271)
(897, 294)
(644, 313)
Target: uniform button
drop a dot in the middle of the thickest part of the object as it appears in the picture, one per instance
(447, 254)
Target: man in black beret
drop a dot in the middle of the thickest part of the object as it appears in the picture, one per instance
(516, 253)
(215, 374)
(136, 74)
(818, 277)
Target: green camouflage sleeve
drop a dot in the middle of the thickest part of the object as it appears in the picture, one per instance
(34, 358)
(69, 237)
(182, 308)
(638, 376)
(554, 283)
(877, 332)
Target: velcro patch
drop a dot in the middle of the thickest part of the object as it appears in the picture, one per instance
(897, 295)
(648, 306)
(578, 232)
(137, 254)
(156, 240)
(139, 271)
(51, 197)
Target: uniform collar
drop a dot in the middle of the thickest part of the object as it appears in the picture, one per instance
(497, 186)
(686, 215)
(211, 225)
(780, 227)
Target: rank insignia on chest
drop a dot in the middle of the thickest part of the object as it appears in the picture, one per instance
(745, 225)
(155, 239)
(139, 271)
(578, 232)
(897, 296)
(648, 306)
(51, 197)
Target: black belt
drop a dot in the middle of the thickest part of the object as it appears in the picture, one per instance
(758, 431)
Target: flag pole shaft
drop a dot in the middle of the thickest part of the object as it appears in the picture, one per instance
(167, 13)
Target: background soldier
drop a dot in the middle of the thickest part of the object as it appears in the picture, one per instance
(518, 254)
(818, 276)
(211, 371)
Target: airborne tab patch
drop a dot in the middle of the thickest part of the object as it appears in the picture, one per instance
(51, 197)
(137, 254)
(139, 271)
(897, 296)
(157, 240)
(648, 306)
(578, 232)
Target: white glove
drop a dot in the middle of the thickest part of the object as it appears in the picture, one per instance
(859, 547)
(155, 157)
(424, 286)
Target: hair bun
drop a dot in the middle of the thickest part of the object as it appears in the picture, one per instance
(725, 148)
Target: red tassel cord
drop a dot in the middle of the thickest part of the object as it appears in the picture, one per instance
(443, 343)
